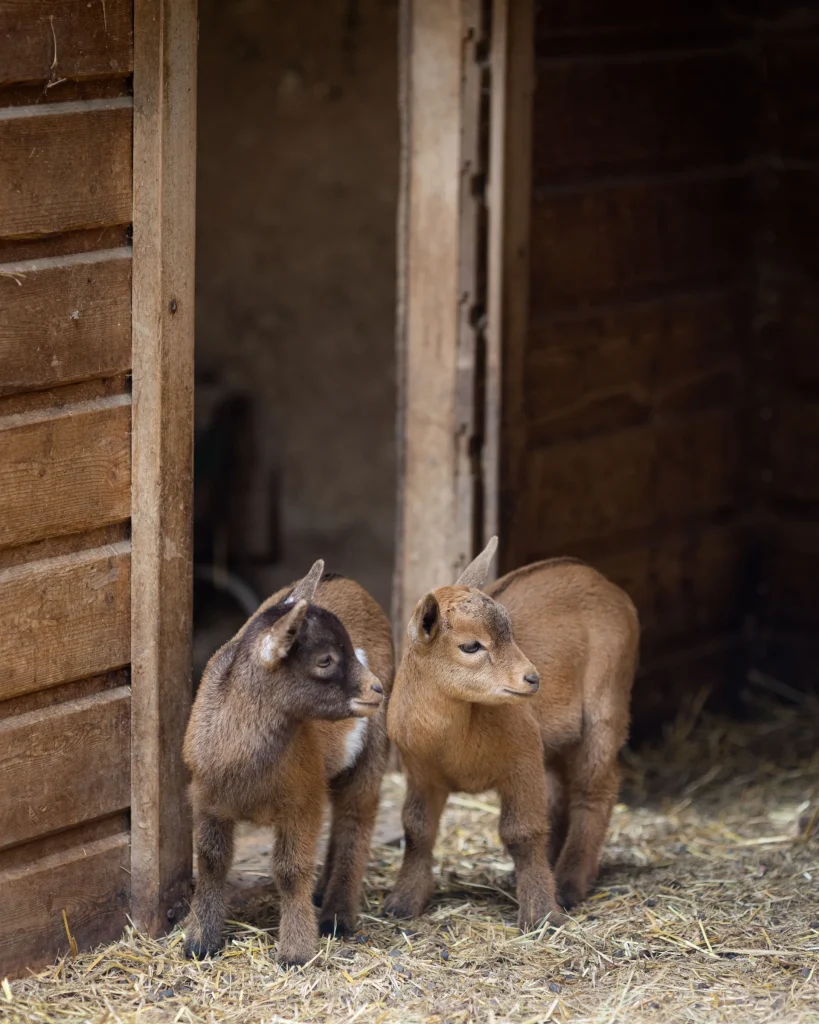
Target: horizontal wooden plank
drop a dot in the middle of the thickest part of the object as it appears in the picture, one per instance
(53, 39)
(70, 243)
(64, 693)
(65, 166)
(612, 117)
(630, 240)
(64, 618)
(65, 319)
(593, 25)
(65, 470)
(619, 366)
(636, 479)
(64, 765)
(90, 883)
(794, 450)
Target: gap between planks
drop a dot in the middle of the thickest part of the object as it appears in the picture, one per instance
(25, 419)
(23, 267)
(69, 107)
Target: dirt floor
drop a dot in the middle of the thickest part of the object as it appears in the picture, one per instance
(707, 909)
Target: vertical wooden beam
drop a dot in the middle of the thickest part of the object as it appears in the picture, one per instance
(165, 34)
(437, 272)
(509, 200)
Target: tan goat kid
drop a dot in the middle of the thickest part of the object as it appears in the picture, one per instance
(289, 712)
(471, 712)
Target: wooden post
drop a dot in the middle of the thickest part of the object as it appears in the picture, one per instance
(509, 200)
(438, 232)
(165, 34)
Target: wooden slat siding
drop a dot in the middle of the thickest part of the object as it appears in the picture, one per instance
(64, 319)
(48, 40)
(509, 201)
(64, 470)
(165, 36)
(64, 765)
(89, 882)
(64, 618)
(630, 240)
(437, 366)
(63, 693)
(599, 26)
(65, 166)
(679, 112)
(635, 479)
(71, 243)
(619, 366)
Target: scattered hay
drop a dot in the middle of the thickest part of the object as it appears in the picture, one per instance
(707, 909)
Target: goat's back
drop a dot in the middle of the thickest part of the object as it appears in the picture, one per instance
(579, 629)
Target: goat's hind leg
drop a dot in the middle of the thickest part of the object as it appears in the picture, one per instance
(214, 853)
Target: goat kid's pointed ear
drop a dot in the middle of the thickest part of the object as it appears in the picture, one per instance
(276, 642)
(474, 575)
(305, 590)
(425, 621)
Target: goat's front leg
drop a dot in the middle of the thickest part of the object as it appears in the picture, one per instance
(355, 806)
(214, 853)
(294, 858)
(423, 807)
(524, 831)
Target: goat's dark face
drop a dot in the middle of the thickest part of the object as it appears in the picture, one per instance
(303, 655)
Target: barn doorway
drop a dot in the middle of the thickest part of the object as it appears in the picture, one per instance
(297, 180)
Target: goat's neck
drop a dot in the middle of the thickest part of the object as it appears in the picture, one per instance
(436, 717)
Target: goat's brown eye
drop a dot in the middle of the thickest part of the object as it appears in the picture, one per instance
(472, 647)
(325, 661)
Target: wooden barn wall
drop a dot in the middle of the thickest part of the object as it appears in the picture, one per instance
(625, 425)
(65, 474)
(786, 332)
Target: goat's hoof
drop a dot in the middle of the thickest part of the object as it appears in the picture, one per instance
(402, 907)
(569, 894)
(533, 919)
(336, 927)
(196, 949)
(288, 960)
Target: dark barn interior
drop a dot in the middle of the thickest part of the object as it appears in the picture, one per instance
(662, 417)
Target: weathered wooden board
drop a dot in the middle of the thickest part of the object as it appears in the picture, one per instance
(610, 484)
(89, 882)
(65, 166)
(794, 449)
(608, 117)
(64, 470)
(64, 765)
(54, 39)
(64, 618)
(616, 367)
(64, 319)
(629, 240)
(599, 25)
(165, 34)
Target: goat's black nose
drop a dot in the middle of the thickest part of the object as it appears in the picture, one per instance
(377, 687)
(533, 679)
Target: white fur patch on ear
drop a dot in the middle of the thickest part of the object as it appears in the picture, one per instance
(267, 649)
(361, 654)
(290, 600)
(355, 739)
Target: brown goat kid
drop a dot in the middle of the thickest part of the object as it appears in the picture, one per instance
(471, 712)
(290, 712)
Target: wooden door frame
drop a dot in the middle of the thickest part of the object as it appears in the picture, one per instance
(453, 404)
(165, 41)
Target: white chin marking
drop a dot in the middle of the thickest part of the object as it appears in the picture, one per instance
(354, 742)
(361, 654)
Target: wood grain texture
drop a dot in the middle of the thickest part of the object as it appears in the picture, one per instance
(46, 40)
(632, 240)
(509, 201)
(65, 319)
(65, 166)
(64, 765)
(674, 112)
(636, 479)
(64, 470)
(165, 36)
(89, 882)
(436, 358)
(64, 618)
(620, 366)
